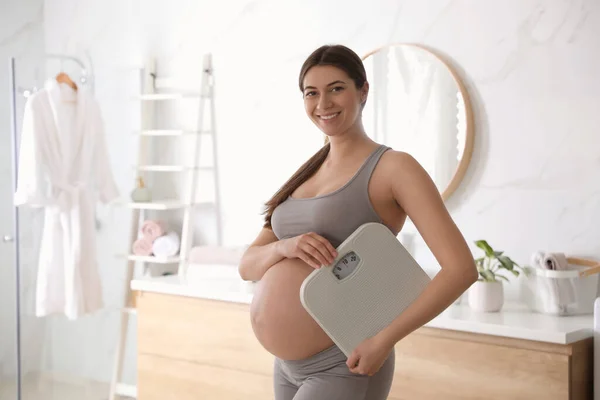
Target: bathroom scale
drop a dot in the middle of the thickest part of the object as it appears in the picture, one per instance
(371, 281)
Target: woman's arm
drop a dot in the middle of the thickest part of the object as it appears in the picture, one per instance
(418, 196)
(267, 250)
(261, 255)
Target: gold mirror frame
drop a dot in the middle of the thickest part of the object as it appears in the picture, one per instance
(463, 165)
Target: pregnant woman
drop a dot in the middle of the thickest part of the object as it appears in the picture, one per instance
(350, 181)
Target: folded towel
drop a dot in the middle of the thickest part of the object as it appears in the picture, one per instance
(555, 262)
(537, 259)
(152, 229)
(560, 291)
(166, 245)
(142, 247)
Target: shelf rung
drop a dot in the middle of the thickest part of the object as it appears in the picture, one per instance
(163, 205)
(124, 389)
(170, 132)
(153, 259)
(173, 83)
(158, 205)
(169, 96)
(129, 310)
(170, 168)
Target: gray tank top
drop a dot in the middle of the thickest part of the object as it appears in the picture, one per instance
(333, 215)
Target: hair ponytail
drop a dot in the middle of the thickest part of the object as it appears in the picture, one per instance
(307, 170)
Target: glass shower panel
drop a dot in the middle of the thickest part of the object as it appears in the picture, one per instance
(59, 359)
(9, 357)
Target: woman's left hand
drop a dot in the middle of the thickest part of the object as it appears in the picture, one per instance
(368, 357)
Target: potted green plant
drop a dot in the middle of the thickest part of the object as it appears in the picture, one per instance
(487, 294)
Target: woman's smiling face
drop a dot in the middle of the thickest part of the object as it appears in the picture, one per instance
(332, 100)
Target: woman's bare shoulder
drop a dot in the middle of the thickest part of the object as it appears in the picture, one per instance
(399, 163)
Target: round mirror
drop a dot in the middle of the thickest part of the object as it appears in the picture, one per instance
(418, 105)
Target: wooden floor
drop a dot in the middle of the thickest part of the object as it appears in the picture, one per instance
(35, 388)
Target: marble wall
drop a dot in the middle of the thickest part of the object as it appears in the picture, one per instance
(530, 68)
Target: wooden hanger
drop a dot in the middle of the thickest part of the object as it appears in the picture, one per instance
(64, 78)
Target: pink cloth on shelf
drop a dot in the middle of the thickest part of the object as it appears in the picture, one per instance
(142, 247)
(153, 229)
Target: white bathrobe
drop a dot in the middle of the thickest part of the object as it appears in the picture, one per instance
(64, 167)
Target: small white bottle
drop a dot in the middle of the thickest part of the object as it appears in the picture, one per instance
(141, 194)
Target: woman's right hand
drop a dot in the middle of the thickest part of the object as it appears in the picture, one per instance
(311, 248)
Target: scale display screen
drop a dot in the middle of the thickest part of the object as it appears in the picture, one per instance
(346, 265)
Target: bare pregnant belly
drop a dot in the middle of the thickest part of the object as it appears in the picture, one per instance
(280, 322)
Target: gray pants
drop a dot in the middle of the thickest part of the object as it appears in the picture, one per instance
(325, 376)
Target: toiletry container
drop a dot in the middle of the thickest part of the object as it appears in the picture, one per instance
(141, 194)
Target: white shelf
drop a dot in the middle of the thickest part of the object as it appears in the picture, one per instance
(154, 88)
(158, 205)
(173, 83)
(169, 96)
(170, 168)
(129, 310)
(153, 259)
(126, 390)
(226, 289)
(162, 205)
(170, 132)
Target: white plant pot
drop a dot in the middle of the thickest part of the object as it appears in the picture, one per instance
(486, 296)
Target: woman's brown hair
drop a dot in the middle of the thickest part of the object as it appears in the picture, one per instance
(340, 57)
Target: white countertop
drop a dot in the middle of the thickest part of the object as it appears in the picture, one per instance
(235, 291)
(514, 321)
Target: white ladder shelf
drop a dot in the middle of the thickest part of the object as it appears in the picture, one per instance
(151, 87)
